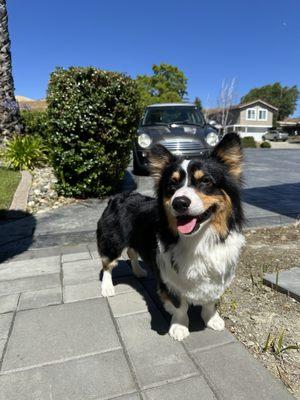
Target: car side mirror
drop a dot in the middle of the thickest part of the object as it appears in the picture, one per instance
(212, 122)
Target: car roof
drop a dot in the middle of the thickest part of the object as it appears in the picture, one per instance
(171, 105)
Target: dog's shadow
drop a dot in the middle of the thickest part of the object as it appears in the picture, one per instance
(147, 288)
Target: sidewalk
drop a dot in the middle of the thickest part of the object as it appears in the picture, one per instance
(59, 339)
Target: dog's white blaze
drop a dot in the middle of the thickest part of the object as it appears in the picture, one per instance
(184, 165)
(206, 266)
(196, 207)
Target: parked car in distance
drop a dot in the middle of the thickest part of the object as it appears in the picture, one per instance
(180, 127)
(275, 135)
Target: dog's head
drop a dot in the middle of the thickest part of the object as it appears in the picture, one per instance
(201, 192)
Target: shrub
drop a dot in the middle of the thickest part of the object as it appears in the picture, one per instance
(265, 145)
(93, 116)
(248, 141)
(35, 123)
(24, 152)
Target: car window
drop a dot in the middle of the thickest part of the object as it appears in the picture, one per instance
(169, 115)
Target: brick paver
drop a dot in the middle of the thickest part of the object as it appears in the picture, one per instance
(80, 345)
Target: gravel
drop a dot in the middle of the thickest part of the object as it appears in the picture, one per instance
(252, 310)
(43, 196)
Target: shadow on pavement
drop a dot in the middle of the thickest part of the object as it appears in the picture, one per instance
(280, 199)
(128, 183)
(16, 232)
(160, 319)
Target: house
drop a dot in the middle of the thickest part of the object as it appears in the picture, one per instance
(290, 125)
(251, 119)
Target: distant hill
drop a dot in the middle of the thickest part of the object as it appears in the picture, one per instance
(25, 103)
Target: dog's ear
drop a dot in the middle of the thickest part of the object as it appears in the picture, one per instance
(159, 158)
(229, 151)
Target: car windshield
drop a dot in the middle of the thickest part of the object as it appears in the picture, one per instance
(169, 115)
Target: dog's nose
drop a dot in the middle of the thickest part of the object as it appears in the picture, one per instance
(181, 203)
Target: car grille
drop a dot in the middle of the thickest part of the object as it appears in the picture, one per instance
(185, 148)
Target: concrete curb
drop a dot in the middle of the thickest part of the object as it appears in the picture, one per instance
(20, 198)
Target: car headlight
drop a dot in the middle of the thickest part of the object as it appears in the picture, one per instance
(144, 140)
(212, 138)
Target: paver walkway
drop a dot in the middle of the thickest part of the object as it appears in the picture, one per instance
(59, 339)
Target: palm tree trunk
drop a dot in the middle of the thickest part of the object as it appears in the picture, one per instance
(9, 108)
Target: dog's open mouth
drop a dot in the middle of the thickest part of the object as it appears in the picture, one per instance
(187, 224)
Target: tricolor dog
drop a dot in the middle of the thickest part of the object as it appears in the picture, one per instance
(189, 234)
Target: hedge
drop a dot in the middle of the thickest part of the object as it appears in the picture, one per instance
(265, 145)
(35, 123)
(93, 116)
(248, 141)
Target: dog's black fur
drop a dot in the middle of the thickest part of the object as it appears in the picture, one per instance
(130, 220)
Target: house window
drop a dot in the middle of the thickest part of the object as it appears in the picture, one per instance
(262, 115)
(251, 114)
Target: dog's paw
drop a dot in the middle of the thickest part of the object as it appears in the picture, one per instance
(140, 273)
(107, 289)
(178, 332)
(216, 323)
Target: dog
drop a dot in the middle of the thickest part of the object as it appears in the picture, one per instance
(190, 234)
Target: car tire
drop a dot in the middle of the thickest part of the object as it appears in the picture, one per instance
(263, 138)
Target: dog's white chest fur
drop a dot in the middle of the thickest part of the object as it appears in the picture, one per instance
(200, 269)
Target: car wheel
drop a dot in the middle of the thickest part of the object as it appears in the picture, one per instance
(263, 138)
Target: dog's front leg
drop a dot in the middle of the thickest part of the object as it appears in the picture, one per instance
(179, 328)
(177, 307)
(211, 317)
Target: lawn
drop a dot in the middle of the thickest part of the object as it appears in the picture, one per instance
(9, 181)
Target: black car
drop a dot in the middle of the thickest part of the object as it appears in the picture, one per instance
(181, 128)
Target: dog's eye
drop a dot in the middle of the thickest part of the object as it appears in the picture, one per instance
(173, 181)
(206, 180)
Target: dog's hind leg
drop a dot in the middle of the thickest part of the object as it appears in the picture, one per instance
(107, 287)
(138, 271)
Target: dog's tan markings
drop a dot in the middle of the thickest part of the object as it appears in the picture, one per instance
(175, 176)
(108, 264)
(223, 211)
(233, 158)
(171, 219)
(198, 174)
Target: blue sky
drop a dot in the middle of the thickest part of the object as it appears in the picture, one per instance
(257, 42)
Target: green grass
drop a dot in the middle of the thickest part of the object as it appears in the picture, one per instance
(9, 181)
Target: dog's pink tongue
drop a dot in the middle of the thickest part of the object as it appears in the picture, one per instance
(186, 226)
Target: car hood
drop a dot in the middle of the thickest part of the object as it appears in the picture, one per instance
(178, 132)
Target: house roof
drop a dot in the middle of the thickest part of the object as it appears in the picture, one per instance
(240, 106)
(289, 122)
(256, 101)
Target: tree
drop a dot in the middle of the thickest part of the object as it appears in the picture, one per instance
(9, 108)
(167, 84)
(198, 103)
(225, 101)
(283, 97)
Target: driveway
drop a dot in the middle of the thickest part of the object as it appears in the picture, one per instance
(271, 194)
(271, 197)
